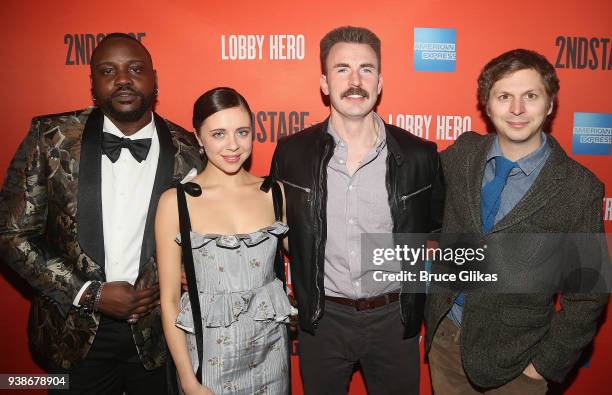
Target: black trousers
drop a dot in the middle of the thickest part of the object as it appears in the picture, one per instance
(112, 366)
(370, 339)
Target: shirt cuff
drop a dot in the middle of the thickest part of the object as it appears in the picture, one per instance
(77, 298)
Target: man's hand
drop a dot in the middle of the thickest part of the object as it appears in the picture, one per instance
(532, 373)
(120, 300)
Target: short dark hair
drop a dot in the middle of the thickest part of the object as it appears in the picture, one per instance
(215, 100)
(348, 34)
(510, 62)
(126, 36)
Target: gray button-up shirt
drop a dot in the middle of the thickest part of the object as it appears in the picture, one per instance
(356, 205)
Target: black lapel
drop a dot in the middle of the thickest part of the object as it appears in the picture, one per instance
(474, 172)
(89, 196)
(163, 180)
(325, 142)
(545, 186)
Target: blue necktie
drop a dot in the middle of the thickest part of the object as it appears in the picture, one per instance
(490, 197)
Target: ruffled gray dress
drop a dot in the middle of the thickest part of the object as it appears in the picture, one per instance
(244, 313)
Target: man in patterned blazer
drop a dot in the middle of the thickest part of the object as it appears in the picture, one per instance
(76, 221)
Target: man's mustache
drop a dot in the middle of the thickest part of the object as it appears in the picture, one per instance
(355, 91)
(123, 90)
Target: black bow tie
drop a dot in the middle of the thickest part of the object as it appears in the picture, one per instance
(112, 146)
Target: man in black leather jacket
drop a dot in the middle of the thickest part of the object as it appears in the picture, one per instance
(348, 176)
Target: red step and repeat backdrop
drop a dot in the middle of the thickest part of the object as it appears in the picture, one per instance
(268, 50)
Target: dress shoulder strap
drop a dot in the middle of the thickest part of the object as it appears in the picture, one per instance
(277, 196)
(187, 255)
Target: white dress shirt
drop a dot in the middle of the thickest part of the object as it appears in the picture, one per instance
(126, 192)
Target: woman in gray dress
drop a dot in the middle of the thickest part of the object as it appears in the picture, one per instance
(234, 234)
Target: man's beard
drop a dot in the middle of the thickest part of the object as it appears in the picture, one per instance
(127, 116)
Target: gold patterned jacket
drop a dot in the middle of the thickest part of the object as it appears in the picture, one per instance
(51, 228)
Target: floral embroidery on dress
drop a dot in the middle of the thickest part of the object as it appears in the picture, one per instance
(229, 386)
(238, 307)
(216, 361)
(254, 263)
(261, 391)
(224, 340)
(207, 254)
(262, 308)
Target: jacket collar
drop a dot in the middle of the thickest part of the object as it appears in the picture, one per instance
(163, 180)
(543, 189)
(89, 195)
(546, 186)
(393, 147)
(392, 144)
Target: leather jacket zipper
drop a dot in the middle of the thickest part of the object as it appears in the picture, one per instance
(304, 189)
(394, 205)
(327, 154)
(406, 197)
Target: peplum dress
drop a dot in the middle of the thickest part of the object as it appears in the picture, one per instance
(244, 311)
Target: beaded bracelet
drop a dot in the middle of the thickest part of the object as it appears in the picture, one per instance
(90, 296)
(98, 296)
